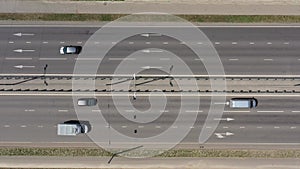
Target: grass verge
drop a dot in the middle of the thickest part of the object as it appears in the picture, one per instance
(191, 18)
(171, 153)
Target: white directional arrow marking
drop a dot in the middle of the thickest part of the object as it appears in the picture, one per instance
(150, 34)
(222, 135)
(23, 50)
(23, 34)
(22, 66)
(226, 119)
(219, 135)
(151, 67)
(148, 51)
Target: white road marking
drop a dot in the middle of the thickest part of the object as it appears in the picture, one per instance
(286, 43)
(6, 126)
(23, 66)
(220, 103)
(192, 127)
(29, 110)
(259, 127)
(113, 43)
(121, 58)
(164, 111)
(174, 127)
(296, 111)
(79, 42)
(269, 111)
(276, 127)
(11, 42)
(23, 34)
(199, 59)
(124, 126)
(199, 43)
(234, 43)
(251, 43)
(194, 111)
(96, 43)
(158, 127)
(269, 43)
(217, 43)
(164, 58)
(293, 127)
(225, 127)
(82, 59)
(28, 42)
(140, 127)
(148, 43)
(268, 59)
(236, 111)
(233, 59)
(165, 43)
(23, 126)
(129, 111)
(219, 135)
(61, 42)
(45, 42)
(24, 50)
(151, 67)
(242, 127)
(224, 119)
(208, 127)
(40, 126)
(53, 58)
(96, 111)
(131, 43)
(63, 110)
(182, 43)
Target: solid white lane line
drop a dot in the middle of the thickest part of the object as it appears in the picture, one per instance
(63, 110)
(234, 43)
(194, 111)
(121, 59)
(164, 58)
(9, 58)
(217, 43)
(53, 58)
(6, 126)
(11, 42)
(268, 59)
(233, 59)
(165, 43)
(236, 111)
(269, 111)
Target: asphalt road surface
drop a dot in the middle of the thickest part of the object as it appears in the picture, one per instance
(254, 50)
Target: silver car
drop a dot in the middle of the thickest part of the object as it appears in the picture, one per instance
(70, 50)
(87, 102)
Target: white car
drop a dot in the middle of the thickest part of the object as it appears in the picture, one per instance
(70, 50)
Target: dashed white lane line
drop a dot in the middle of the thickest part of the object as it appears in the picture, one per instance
(140, 127)
(96, 43)
(158, 127)
(129, 111)
(62, 42)
(242, 127)
(6, 126)
(63, 110)
(269, 43)
(9, 58)
(259, 127)
(131, 43)
(293, 127)
(29, 110)
(164, 58)
(28, 42)
(11, 42)
(225, 127)
(194, 111)
(236, 111)
(191, 127)
(45, 42)
(148, 43)
(164, 111)
(165, 43)
(268, 59)
(286, 43)
(217, 43)
(296, 111)
(113, 43)
(234, 59)
(234, 43)
(199, 59)
(200, 43)
(53, 58)
(23, 126)
(124, 126)
(174, 127)
(79, 42)
(276, 127)
(40, 126)
(269, 111)
(121, 59)
(251, 43)
(86, 59)
(208, 127)
(96, 110)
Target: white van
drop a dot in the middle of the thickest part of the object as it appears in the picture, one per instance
(243, 103)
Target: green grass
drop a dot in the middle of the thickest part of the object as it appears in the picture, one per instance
(171, 153)
(191, 18)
